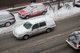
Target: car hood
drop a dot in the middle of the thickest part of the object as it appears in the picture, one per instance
(22, 12)
(20, 30)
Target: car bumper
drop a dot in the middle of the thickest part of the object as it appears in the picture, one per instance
(72, 45)
(22, 16)
(17, 36)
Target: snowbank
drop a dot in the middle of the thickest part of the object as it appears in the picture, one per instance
(65, 13)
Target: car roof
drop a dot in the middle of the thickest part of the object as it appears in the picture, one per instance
(3, 12)
(37, 20)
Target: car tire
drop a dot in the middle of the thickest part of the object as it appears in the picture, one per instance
(27, 17)
(7, 24)
(25, 37)
(48, 30)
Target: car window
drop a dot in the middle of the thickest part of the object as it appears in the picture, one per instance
(29, 8)
(35, 26)
(42, 24)
(74, 37)
(27, 25)
(40, 7)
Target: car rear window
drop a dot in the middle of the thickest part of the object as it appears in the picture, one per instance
(42, 24)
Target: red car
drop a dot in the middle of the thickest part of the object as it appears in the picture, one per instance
(32, 10)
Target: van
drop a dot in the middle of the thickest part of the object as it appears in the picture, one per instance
(6, 18)
(33, 27)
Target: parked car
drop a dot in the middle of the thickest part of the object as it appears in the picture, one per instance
(77, 3)
(32, 10)
(6, 18)
(74, 40)
(33, 27)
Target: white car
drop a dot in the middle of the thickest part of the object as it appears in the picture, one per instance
(74, 40)
(34, 26)
(6, 18)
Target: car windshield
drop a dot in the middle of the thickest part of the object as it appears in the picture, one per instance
(27, 25)
(76, 37)
(28, 8)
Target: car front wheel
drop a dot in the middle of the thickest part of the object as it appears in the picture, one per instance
(7, 24)
(27, 17)
(25, 37)
(48, 30)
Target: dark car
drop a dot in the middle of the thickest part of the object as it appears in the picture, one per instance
(74, 39)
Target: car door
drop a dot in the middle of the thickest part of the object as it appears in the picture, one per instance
(35, 29)
(43, 26)
(2, 19)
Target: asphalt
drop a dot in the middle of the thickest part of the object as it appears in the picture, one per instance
(53, 42)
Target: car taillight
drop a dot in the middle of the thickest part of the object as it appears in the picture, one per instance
(77, 45)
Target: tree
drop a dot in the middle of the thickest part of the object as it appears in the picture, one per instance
(58, 2)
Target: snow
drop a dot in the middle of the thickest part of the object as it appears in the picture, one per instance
(57, 15)
(65, 13)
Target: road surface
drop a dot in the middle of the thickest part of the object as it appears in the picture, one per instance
(53, 42)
